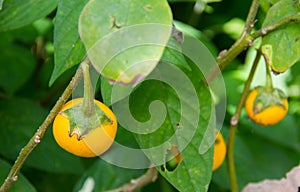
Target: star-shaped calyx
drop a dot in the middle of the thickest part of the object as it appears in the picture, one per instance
(81, 123)
(267, 98)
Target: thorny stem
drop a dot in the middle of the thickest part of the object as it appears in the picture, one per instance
(245, 39)
(251, 16)
(135, 184)
(234, 125)
(35, 140)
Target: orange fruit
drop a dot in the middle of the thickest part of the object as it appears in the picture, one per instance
(96, 142)
(271, 115)
(219, 151)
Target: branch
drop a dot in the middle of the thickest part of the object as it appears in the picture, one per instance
(35, 140)
(265, 30)
(149, 177)
(225, 57)
(234, 125)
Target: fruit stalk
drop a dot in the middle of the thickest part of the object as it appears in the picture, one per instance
(34, 141)
(88, 101)
(269, 82)
(234, 125)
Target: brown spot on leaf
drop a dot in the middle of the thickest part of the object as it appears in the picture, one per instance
(148, 7)
(297, 38)
(114, 23)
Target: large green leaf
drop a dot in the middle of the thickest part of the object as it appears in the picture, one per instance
(22, 185)
(19, 119)
(102, 176)
(18, 13)
(125, 39)
(178, 129)
(17, 65)
(282, 46)
(68, 48)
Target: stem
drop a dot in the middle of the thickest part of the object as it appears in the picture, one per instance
(245, 39)
(135, 184)
(88, 94)
(269, 83)
(234, 125)
(251, 16)
(35, 140)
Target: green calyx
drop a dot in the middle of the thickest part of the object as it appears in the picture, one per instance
(82, 123)
(267, 98)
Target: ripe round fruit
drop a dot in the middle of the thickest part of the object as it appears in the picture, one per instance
(94, 143)
(269, 116)
(219, 151)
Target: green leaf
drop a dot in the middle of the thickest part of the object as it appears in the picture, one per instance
(178, 129)
(193, 173)
(22, 185)
(19, 119)
(102, 176)
(125, 39)
(282, 47)
(68, 48)
(17, 65)
(18, 13)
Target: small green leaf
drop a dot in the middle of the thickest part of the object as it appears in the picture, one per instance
(18, 13)
(102, 176)
(68, 48)
(22, 185)
(17, 65)
(19, 119)
(125, 39)
(284, 43)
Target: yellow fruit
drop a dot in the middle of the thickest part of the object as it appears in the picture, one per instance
(219, 151)
(96, 142)
(268, 116)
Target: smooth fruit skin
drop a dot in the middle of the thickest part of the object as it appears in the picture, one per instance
(94, 143)
(269, 116)
(219, 151)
